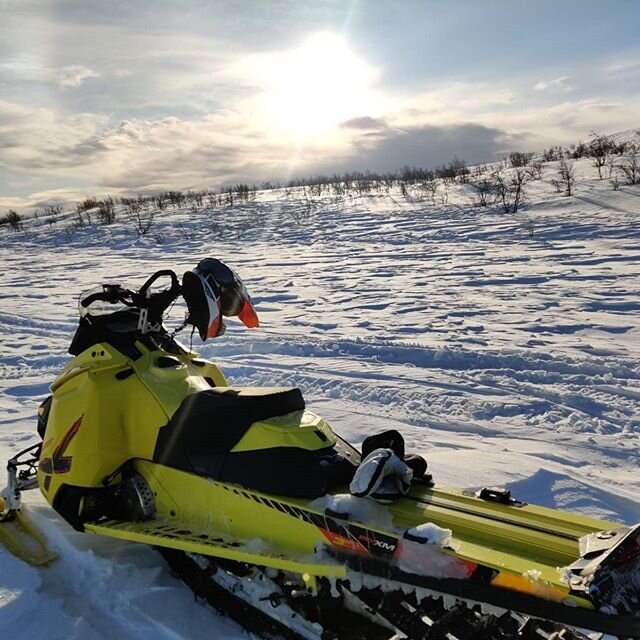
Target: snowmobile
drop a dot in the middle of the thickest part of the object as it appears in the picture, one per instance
(272, 517)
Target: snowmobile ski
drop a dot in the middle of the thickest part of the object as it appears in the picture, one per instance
(23, 539)
(17, 533)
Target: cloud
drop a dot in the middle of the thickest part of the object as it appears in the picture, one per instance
(556, 83)
(25, 69)
(74, 75)
(566, 122)
(429, 146)
(365, 122)
(40, 148)
(537, 118)
(139, 155)
(624, 64)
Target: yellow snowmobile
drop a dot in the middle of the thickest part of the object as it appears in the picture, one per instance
(273, 518)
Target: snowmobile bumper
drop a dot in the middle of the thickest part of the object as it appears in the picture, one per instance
(608, 571)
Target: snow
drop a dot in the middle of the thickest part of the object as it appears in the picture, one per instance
(505, 348)
(431, 534)
(362, 510)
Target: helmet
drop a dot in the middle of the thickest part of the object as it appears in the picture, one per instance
(213, 290)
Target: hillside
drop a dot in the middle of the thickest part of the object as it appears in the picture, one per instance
(504, 346)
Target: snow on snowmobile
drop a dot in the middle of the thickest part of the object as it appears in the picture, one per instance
(276, 520)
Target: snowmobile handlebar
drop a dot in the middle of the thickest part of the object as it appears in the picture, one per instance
(175, 285)
(156, 303)
(111, 293)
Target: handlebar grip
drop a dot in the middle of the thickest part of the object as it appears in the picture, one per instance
(115, 295)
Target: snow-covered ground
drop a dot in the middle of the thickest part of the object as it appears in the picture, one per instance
(506, 348)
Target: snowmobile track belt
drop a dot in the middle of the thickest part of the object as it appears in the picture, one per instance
(623, 626)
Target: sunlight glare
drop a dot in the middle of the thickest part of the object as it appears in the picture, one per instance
(315, 87)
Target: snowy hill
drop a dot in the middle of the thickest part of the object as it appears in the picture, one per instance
(505, 346)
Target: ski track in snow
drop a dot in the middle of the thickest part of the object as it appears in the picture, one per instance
(504, 347)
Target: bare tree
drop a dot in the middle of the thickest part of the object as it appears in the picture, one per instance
(519, 158)
(14, 220)
(143, 221)
(431, 187)
(599, 149)
(53, 210)
(107, 211)
(615, 182)
(567, 176)
(510, 188)
(630, 167)
(479, 170)
(485, 189)
(535, 170)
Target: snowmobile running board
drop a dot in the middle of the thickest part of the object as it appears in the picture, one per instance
(163, 534)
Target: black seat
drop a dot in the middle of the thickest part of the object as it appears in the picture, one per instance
(211, 422)
(208, 424)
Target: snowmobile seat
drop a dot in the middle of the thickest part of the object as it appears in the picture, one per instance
(201, 435)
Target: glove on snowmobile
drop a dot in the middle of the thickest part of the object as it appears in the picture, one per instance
(382, 476)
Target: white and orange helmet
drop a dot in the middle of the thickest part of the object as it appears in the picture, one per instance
(213, 290)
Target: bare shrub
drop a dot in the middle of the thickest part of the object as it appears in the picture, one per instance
(519, 159)
(567, 177)
(510, 188)
(552, 154)
(79, 221)
(456, 170)
(430, 187)
(557, 184)
(535, 170)
(143, 221)
(599, 149)
(485, 190)
(246, 192)
(630, 168)
(13, 220)
(87, 204)
(577, 151)
(53, 210)
(615, 182)
(107, 211)
(479, 170)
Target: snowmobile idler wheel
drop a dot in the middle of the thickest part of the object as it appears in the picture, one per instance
(135, 499)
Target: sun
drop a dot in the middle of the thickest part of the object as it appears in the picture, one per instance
(313, 88)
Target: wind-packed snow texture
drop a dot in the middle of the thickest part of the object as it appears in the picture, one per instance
(505, 347)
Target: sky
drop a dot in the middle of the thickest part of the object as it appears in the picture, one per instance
(140, 96)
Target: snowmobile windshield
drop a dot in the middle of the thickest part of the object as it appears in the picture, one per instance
(102, 301)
